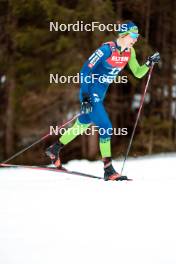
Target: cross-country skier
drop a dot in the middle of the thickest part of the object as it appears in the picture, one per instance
(105, 63)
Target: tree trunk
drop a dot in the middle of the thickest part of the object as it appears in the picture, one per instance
(9, 130)
(11, 85)
(147, 20)
(119, 9)
(150, 145)
(92, 146)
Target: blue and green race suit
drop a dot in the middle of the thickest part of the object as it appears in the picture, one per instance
(97, 73)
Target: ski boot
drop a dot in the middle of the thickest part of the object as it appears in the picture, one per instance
(109, 172)
(53, 153)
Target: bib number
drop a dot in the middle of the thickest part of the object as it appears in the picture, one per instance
(114, 71)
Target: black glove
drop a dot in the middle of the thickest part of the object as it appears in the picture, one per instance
(153, 59)
(86, 106)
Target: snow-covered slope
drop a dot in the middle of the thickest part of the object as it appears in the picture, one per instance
(47, 217)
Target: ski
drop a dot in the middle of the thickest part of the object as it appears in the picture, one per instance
(76, 173)
(65, 171)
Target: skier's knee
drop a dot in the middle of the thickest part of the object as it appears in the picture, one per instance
(106, 131)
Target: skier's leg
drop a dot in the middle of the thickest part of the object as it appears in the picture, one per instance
(81, 124)
(100, 117)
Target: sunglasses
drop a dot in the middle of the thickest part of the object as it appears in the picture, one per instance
(134, 35)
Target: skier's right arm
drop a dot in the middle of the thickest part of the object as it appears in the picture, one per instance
(94, 60)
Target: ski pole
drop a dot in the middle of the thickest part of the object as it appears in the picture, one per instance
(137, 118)
(41, 139)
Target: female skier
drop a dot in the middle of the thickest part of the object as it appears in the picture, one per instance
(102, 68)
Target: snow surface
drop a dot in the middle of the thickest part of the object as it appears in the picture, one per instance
(48, 217)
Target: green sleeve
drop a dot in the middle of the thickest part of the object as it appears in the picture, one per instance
(137, 70)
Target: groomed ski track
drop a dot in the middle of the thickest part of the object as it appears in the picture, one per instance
(50, 218)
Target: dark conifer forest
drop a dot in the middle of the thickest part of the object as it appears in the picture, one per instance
(30, 52)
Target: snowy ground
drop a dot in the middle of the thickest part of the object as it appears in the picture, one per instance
(46, 217)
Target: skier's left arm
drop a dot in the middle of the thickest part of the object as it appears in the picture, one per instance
(138, 70)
